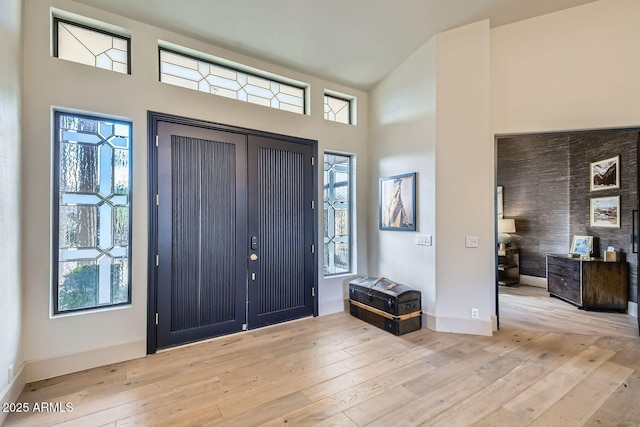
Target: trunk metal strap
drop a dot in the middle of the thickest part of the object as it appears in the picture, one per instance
(385, 314)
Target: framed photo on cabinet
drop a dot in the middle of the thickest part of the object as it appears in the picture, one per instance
(581, 245)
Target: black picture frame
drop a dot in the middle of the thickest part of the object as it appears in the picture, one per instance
(634, 231)
(397, 203)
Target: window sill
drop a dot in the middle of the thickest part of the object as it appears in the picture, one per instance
(339, 276)
(90, 311)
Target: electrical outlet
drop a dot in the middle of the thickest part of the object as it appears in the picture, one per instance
(474, 313)
(11, 374)
(471, 241)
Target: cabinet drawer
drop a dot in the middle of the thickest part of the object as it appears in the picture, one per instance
(563, 279)
(564, 287)
(564, 267)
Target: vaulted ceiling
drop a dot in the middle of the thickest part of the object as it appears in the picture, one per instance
(353, 42)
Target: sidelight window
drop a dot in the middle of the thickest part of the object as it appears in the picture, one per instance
(92, 215)
(337, 214)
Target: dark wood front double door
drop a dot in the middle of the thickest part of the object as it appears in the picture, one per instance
(235, 231)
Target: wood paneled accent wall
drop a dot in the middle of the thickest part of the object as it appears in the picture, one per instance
(545, 179)
(534, 173)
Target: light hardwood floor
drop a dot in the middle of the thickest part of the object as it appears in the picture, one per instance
(338, 371)
(531, 308)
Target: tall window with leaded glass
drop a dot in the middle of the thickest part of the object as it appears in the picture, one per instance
(92, 216)
(337, 214)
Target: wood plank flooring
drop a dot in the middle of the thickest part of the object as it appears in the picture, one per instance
(549, 365)
(528, 307)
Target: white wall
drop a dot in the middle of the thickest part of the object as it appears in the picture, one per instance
(58, 345)
(403, 138)
(465, 181)
(11, 353)
(574, 69)
(431, 116)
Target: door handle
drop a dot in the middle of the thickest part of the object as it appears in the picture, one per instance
(254, 243)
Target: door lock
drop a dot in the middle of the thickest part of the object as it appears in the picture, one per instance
(253, 257)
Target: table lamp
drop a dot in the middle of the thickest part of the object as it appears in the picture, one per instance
(505, 226)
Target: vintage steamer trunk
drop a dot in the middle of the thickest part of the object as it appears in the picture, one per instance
(390, 306)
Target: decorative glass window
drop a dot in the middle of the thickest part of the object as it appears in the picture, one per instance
(90, 46)
(92, 215)
(337, 109)
(337, 214)
(197, 74)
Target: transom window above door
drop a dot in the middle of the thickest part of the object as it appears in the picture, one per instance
(196, 72)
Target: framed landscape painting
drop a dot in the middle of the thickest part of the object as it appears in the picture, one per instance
(605, 174)
(605, 212)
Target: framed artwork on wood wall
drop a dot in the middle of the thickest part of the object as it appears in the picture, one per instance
(397, 206)
(605, 212)
(500, 202)
(605, 174)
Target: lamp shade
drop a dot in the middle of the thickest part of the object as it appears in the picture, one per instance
(506, 226)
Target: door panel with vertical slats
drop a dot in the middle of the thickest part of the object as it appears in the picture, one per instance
(235, 231)
(280, 202)
(280, 197)
(203, 232)
(201, 284)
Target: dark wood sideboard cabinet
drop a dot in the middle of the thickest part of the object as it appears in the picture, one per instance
(591, 284)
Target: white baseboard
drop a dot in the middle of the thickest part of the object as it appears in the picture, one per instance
(12, 391)
(462, 326)
(633, 309)
(465, 326)
(428, 321)
(69, 363)
(538, 282)
(330, 307)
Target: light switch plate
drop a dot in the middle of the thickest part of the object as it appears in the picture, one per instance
(471, 241)
(423, 239)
